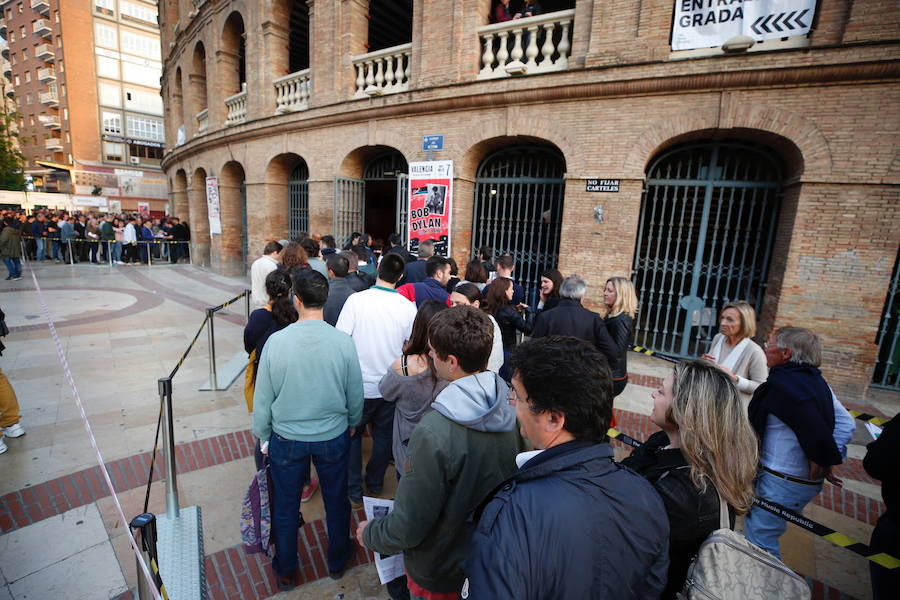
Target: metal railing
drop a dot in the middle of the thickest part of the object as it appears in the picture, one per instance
(67, 249)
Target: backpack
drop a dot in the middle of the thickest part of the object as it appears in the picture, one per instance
(256, 516)
(728, 567)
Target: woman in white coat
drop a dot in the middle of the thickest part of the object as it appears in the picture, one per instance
(734, 351)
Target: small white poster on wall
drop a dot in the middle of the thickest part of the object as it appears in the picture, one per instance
(213, 205)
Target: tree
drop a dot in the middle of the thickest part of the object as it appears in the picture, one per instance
(11, 160)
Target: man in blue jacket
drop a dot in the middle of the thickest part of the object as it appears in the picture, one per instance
(570, 523)
(434, 287)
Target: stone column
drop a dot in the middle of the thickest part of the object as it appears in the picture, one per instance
(198, 219)
(321, 206)
(227, 249)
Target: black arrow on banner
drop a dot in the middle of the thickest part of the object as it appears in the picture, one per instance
(782, 22)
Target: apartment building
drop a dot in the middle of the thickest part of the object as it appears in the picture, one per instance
(85, 76)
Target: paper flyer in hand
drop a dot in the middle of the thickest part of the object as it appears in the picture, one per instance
(389, 567)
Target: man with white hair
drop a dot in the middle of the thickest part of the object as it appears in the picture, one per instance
(802, 428)
(570, 318)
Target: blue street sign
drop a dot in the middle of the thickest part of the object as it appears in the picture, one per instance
(430, 143)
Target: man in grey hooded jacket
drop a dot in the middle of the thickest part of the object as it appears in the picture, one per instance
(458, 453)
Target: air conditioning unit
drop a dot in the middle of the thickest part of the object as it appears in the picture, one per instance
(135, 160)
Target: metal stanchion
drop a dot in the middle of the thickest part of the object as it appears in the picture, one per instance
(149, 256)
(109, 256)
(165, 396)
(213, 384)
(146, 524)
(247, 301)
(71, 256)
(190, 253)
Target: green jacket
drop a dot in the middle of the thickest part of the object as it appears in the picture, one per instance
(10, 243)
(458, 453)
(106, 231)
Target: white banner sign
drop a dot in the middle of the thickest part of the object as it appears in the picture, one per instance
(213, 204)
(710, 23)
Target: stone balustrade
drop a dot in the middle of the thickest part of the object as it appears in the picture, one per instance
(382, 72)
(292, 92)
(237, 107)
(202, 121)
(526, 46)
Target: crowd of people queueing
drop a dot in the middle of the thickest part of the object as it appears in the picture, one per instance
(508, 486)
(61, 236)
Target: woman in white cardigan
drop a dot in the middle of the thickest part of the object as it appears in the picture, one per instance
(734, 351)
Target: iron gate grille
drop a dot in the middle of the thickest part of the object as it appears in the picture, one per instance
(298, 201)
(887, 368)
(402, 206)
(518, 209)
(245, 238)
(705, 236)
(349, 207)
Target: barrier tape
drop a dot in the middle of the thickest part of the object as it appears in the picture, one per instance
(229, 302)
(87, 426)
(835, 537)
(654, 354)
(85, 240)
(181, 362)
(868, 418)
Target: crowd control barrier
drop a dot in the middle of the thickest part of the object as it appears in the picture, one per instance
(180, 543)
(145, 249)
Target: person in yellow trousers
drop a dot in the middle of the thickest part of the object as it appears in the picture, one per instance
(9, 405)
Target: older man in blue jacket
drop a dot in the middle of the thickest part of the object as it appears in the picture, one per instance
(570, 523)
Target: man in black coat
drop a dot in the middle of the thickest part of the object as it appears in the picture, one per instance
(569, 317)
(415, 270)
(570, 523)
(396, 247)
(883, 463)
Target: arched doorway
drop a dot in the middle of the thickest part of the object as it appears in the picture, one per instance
(298, 200)
(519, 193)
(707, 224)
(375, 203)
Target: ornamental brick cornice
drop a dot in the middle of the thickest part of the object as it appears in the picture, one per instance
(479, 95)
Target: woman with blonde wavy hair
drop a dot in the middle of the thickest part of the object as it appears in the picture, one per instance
(621, 304)
(706, 450)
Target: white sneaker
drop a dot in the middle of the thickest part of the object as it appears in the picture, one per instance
(15, 430)
(119, 262)
(3, 447)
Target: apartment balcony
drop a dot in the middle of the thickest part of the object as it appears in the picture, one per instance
(45, 53)
(526, 46)
(53, 144)
(42, 6)
(3, 28)
(382, 72)
(46, 75)
(5, 52)
(202, 121)
(49, 98)
(237, 107)
(42, 28)
(50, 121)
(7, 71)
(10, 92)
(292, 92)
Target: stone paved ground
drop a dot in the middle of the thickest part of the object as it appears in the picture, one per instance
(125, 327)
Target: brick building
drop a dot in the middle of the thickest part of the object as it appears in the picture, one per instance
(85, 76)
(766, 173)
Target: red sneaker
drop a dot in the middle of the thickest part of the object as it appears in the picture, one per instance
(309, 490)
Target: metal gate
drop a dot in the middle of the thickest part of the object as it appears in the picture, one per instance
(298, 201)
(349, 208)
(245, 237)
(887, 368)
(519, 194)
(705, 236)
(402, 206)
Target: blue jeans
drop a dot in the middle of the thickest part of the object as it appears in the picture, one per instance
(380, 413)
(14, 266)
(117, 252)
(39, 252)
(762, 527)
(290, 468)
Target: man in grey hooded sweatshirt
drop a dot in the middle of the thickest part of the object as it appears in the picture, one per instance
(457, 454)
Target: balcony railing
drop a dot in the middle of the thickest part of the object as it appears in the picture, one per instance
(50, 121)
(42, 28)
(382, 72)
(202, 121)
(45, 53)
(292, 92)
(53, 144)
(237, 107)
(42, 6)
(46, 74)
(10, 92)
(49, 98)
(526, 46)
